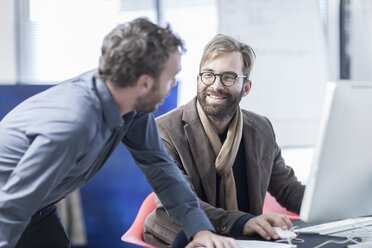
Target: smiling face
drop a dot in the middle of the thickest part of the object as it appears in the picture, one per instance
(218, 101)
(161, 87)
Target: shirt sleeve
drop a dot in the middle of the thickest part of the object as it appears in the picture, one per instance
(143, 142)
(50, 155)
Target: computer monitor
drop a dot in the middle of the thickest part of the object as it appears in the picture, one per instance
(340, 180)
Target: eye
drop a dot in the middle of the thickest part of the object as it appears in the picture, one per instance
(228, 77)
(208, 75)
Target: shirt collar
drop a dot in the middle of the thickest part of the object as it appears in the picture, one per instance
(111, 112)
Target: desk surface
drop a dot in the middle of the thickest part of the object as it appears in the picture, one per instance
(311, 241)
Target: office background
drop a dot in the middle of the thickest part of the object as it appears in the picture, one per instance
(300, 45)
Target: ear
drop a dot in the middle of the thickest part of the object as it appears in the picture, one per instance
(145, 83)
(247, 87)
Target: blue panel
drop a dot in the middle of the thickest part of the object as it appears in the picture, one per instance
(112, 198)
(12, 95)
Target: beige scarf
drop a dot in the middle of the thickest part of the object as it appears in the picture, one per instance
(225, 155)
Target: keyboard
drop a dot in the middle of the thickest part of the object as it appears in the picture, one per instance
(336, 226)
(365, 233)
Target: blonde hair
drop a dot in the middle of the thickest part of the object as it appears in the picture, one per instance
(222, 44)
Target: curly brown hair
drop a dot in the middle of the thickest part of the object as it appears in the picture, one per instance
(135, 48)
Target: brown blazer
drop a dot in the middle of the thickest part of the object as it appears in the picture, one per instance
(186, 141)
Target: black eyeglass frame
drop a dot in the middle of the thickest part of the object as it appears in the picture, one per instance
(221, 75)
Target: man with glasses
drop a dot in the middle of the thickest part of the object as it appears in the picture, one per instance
(229, 155)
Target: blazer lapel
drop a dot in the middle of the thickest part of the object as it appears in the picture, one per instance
(252, 166)
(201, 150)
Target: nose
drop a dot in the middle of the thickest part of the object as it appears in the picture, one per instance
(217, 83)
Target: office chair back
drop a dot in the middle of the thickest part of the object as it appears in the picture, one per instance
(134, 235)
(272, 206)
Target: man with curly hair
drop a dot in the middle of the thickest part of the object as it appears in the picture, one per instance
(54, 142)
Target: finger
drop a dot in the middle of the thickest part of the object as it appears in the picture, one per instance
(193, 244)
(261, 231)
(232, 243)
(268, 228)
(279, 220)
(209, 245)
(226, 242)
(284, 222)
(272, 233)
(288, 222)
(218, 243)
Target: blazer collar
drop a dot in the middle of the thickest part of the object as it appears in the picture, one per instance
(200, 149)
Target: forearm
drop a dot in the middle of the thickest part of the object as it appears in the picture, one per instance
(183, 207)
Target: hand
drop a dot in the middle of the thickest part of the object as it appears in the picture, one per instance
(210, 240)
(263, 225)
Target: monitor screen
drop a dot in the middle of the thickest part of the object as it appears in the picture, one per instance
(340, 180)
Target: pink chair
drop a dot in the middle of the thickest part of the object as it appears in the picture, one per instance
(134, 235)
(272, 206)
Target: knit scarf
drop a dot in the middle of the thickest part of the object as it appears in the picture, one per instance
(225, 155)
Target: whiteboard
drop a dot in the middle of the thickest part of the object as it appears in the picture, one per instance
(290, 71)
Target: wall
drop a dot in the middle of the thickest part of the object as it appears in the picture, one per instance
(359, 40)
(7, 42)
(291, 68)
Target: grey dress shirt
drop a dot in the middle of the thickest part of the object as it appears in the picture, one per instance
(54, 142)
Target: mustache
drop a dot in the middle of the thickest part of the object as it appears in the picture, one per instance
(218, 92)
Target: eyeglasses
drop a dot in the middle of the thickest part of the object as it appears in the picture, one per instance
(227, 79)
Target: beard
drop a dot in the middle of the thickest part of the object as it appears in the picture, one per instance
(150, 102)
(219, 111)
